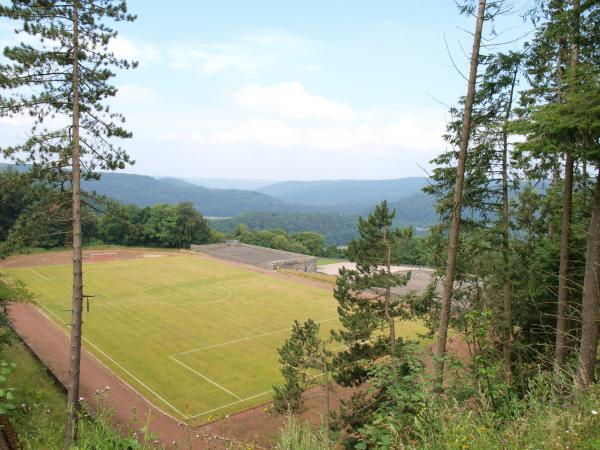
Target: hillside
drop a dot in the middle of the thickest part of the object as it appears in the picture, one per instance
(337, 229)
(143, 190)
(340, 192)
(229, 183)
(416, 210)
(336, 220)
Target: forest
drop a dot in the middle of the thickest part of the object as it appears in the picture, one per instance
(517, 253)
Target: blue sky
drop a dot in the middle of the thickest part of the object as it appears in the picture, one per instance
(290, 89)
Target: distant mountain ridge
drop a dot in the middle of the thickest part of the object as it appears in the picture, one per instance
(337, 220)
(340, 192)
(142, 190)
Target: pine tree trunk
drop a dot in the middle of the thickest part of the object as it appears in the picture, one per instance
(555, 157)
(388, 304)
(507, 337)
(563, 269)
(554, 189)
(77, 304)
(590, 311)
(456, 212)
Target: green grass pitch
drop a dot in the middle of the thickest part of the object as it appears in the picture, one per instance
(196, 336)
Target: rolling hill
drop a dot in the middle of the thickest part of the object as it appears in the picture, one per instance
(341, 192)
(143, 190)
(328, 207)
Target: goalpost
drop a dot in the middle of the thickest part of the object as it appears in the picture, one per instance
(104, 257)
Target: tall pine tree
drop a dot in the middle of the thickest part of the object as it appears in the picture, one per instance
(62, 83)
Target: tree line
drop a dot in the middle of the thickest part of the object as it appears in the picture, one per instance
(30, 219)
(517, 253)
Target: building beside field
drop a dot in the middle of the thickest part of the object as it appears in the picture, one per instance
(253, 255)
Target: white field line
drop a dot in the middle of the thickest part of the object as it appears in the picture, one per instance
(39, 275)
(244, 400)
(124, 370)
(230, 404)
(235, 341)
(214, 383)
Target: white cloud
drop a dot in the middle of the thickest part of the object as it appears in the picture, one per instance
(414, 131)
(127, 49)
(292, 100)
(247, 53)
(131, 94)
(259, 132)
(215, 59)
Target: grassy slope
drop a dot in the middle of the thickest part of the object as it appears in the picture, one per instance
(149, 309)
(40, 405)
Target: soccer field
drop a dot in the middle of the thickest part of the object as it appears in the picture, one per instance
(196, 336)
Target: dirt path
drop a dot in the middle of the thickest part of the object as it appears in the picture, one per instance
(51, 344)
(100, 255)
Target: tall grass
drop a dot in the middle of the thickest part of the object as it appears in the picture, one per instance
(300, 436)
(39, 416)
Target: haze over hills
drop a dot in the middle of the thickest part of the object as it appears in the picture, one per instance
(229, 183)
(142, 190)
(330, 207)
(339, 192)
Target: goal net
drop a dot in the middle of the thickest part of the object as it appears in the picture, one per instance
(103, 257)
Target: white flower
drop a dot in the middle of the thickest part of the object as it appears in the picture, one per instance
(594, 412)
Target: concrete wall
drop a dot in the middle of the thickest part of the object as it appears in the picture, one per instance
(254, 255)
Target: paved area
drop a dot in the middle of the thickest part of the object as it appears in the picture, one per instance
(420, 278)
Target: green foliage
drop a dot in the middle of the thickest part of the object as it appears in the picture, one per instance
(539, 420)
(40, 222)
(300, 436)
(6, 393)
(363, 314)
(40, 406)
(302, 351)
(306, 242)
(336, 229)
(398, 398)
(37, 80)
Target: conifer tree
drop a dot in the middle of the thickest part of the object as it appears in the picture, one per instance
(62, 84)
(367, 305)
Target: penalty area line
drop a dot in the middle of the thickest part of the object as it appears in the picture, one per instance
(49, 311)
(39, 275)
(230, 404)
(247, 338)
(214, 383)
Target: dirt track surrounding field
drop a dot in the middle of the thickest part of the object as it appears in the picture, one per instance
(64, 257)
(51, 344)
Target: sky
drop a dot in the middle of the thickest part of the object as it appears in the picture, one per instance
(280, 90)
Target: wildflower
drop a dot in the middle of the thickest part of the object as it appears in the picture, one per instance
(594, 412)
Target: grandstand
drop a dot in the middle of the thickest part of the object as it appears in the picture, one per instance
(253, 255)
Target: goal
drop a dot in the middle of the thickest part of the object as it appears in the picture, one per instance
(104, 257)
